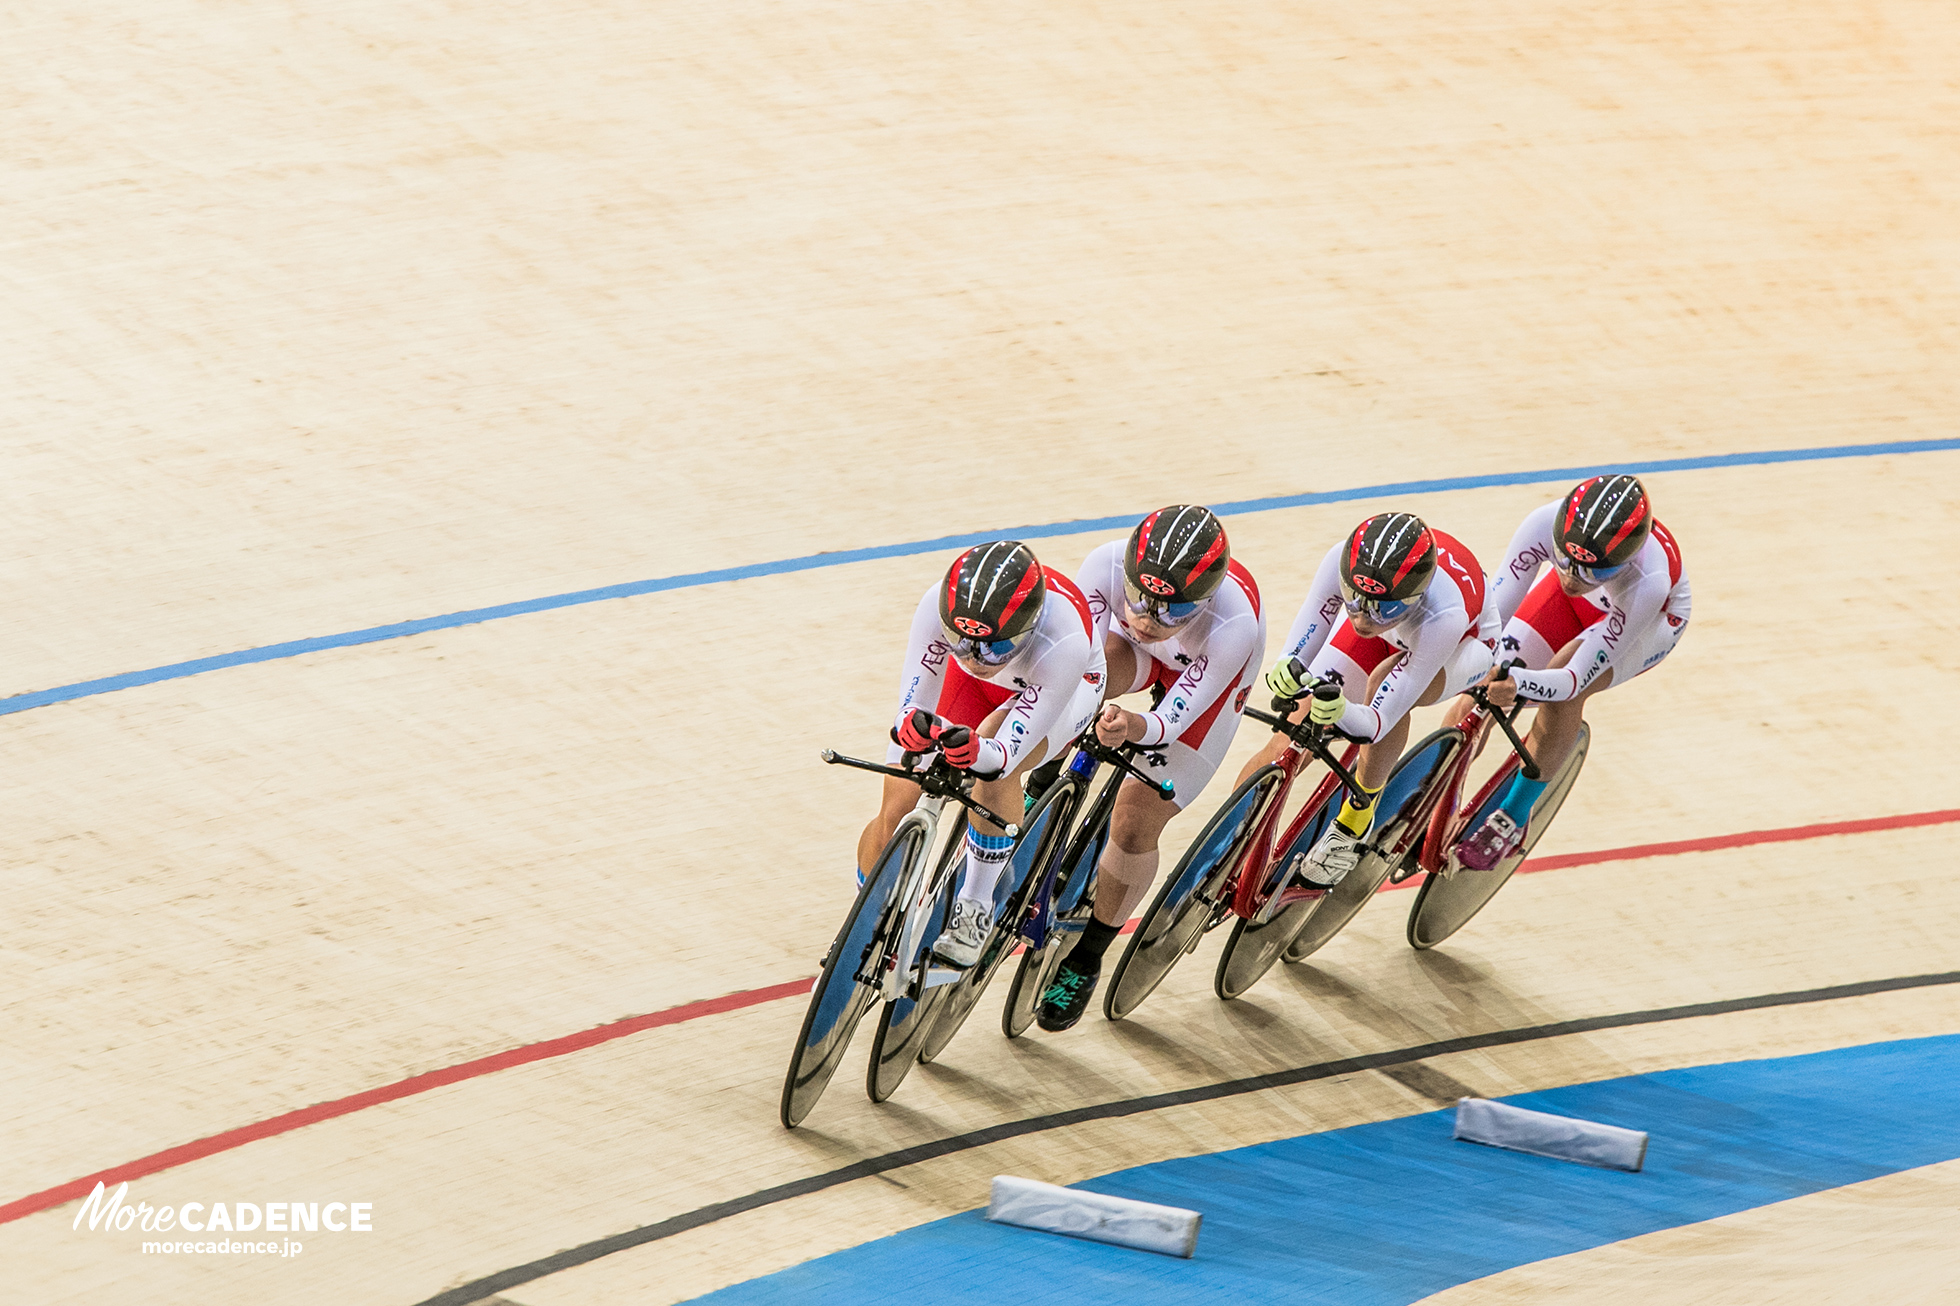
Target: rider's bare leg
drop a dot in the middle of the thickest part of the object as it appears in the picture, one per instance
(1129, 860)
(898, 798)
(1555, 728)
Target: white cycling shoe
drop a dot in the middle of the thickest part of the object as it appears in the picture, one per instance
(1334, 854)
(966, 934)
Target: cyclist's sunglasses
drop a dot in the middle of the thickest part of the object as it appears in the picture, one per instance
(984, 652)
(1587, 575)
(1167, 615)
(1382, 612)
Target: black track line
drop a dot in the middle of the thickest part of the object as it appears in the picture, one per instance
(585, 1253)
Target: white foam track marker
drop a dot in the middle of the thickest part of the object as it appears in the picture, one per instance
(1562, 1138)
(1145, 1226)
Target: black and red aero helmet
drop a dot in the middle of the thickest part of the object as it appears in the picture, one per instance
(1177, 555)
(1388, 558)
(992, 592)
(1603, 521)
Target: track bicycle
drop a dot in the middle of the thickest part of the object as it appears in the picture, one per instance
(881, 952)
(1052, 891)
(1237, 868)
(1420, 824)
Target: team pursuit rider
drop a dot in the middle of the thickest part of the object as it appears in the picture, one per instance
(1001, 646)
(1613, 605)
(1172, 612)
(1380, 616)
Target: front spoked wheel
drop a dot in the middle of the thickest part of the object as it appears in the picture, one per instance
(907, 1019)
(1445, 905)
(1041, 838)
(1404, 801)
(1191, 895)
(839, 998)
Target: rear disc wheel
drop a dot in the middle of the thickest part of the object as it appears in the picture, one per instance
(1445, 905)
(1405, 784)
(1185, 906)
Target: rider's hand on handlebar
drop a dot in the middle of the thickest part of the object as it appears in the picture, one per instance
(1327, 710)
(1500, 689)
(1116, 727)
(1287, 679)
(916, 729)
(959, 745)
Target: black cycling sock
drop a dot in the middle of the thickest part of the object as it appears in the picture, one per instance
(1093, 943)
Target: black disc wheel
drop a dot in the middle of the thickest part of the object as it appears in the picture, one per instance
(1445, 904)
(1185, 906)
(839, 1000)
(907, 1018)
(1405, 799)
(1042, 835)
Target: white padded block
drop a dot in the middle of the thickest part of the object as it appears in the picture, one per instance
(1096, 1216)
(1560, 1137)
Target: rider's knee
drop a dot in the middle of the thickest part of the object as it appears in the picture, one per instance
(1132, 835)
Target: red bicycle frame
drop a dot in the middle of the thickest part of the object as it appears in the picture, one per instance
(1249, 898)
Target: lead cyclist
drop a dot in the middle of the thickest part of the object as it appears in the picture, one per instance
(1001, 646)
(1613, 605)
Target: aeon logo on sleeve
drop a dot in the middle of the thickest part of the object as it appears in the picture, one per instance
(116, 1215)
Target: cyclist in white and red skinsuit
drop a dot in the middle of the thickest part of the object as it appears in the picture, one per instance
(1001, 646)
(1398, 615)
(1613, 605)
(1173, 612)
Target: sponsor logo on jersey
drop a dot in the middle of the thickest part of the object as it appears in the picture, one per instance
(1512, 644)
(977, 629)
(1095, 678)
(1238, 703)
(1155, 757)
(1157, 585)
(1526, 563)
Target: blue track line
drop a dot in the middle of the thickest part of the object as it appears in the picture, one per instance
(844, 557)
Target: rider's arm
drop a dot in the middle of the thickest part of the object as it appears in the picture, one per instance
(1101, 582)
(1237, 641)
(925, 665)
(1441, 631)
(1603, 642)
(1531, 548)
(1048, 682)
(1319, 614)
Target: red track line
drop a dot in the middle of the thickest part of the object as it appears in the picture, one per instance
(555, 1047)
(558, 1047)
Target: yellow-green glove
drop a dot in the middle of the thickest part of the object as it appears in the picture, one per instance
(1326, 711)
(1284, 680)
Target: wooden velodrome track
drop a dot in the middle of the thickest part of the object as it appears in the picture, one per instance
(320, 319)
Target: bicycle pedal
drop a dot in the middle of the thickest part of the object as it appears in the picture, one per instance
(938, 975)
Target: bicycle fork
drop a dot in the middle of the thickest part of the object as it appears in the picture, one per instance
(918, 894)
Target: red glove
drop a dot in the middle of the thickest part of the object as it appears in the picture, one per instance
(958, 745)
(916, 730)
